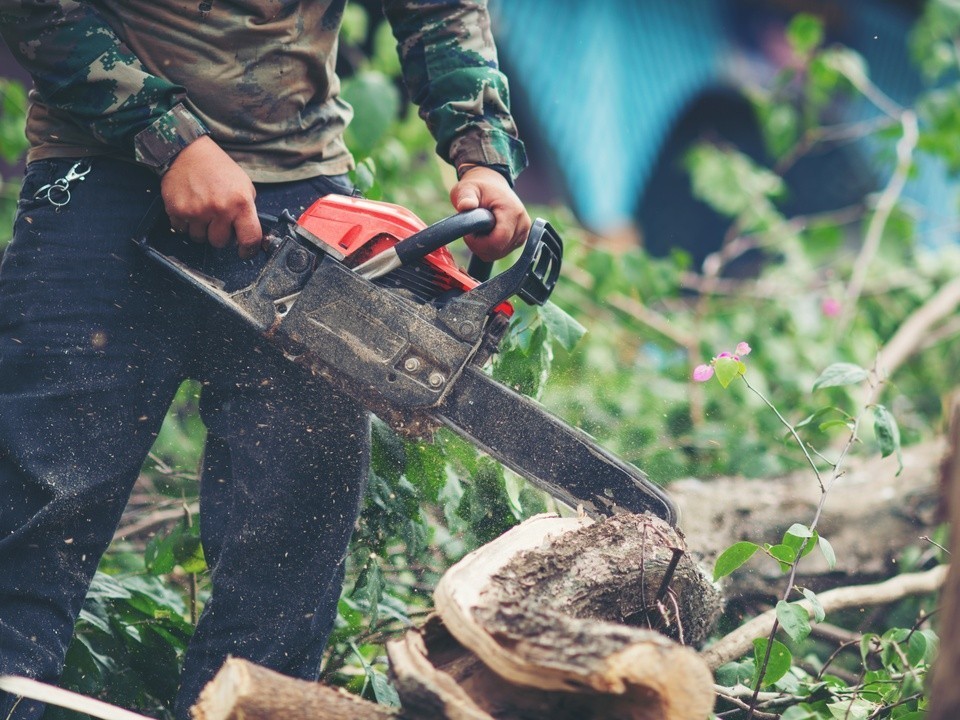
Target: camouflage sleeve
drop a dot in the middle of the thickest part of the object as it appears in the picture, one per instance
(80, 67)
(450, 68)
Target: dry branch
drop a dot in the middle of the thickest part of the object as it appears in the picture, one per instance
(740, 641)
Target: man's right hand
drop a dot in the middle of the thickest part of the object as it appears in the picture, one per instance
(210, 197)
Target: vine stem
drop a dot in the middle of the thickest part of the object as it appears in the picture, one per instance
(789, 427)
(875, 385)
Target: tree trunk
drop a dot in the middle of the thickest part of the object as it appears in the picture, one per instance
(945, 691)
(871, 516)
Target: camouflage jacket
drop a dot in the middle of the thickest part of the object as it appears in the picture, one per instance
(143, 78)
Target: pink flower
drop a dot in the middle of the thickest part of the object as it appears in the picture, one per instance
(702, 373)
(743, 349)
(830, 307)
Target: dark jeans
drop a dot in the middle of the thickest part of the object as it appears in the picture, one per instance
(94, 342)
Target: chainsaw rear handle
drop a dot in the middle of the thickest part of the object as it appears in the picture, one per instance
(531, 278)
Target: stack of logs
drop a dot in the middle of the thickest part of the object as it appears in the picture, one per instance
(560, 618)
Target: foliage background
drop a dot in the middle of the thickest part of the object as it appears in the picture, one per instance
(627, 382)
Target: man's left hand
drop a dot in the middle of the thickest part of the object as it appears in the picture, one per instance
(482, 187)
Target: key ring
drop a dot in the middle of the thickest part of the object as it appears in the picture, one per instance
(57, 193)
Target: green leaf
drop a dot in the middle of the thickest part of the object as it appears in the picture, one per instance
(830, 424)
(799, 712)
(829, 555)
(888, 434)
(158, 555)
(805, 33)
(784, 554)
(735, 186)
(106, 587)
(794, 620)
(916, 650)
(369, 586)
(848, 63)
(840, 374)
(563, 327)
(854, 709)
(736, 673)
(800, 531)
(727, 369)
(795, 542)
(383, 691)
(777, 666)
(818, 612)
(733, 557)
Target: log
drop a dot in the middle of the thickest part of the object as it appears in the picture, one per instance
(565, 618)
(871, 515)
(244, 691)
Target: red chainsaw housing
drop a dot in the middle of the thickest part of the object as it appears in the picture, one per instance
(356, 229)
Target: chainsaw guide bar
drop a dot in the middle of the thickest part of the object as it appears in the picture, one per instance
(368, 297)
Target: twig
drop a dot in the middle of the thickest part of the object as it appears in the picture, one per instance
(154, 519)
(740, 642)
(914, 331)
(744, 706)
(793, 432)
(885, 204)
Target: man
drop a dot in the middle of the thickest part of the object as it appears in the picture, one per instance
(224, 109)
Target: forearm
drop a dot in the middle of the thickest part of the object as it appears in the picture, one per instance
(80, 67)
(450, 68)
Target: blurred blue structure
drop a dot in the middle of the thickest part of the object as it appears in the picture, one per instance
(611, 94)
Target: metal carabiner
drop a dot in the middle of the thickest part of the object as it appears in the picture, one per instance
(78, 171)
(57, 193)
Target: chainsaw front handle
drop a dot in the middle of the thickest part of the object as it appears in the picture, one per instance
(444, 232)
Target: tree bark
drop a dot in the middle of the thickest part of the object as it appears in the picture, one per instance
(945, 691)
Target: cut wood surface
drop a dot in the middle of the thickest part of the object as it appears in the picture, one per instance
(559, 618)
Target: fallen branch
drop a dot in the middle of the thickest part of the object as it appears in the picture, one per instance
(885, 205)
(244, 691)
(740, 641)
(915, 330)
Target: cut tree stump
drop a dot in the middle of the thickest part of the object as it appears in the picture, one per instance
(565, 618)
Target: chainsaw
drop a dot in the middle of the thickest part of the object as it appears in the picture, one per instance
(367, 296)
